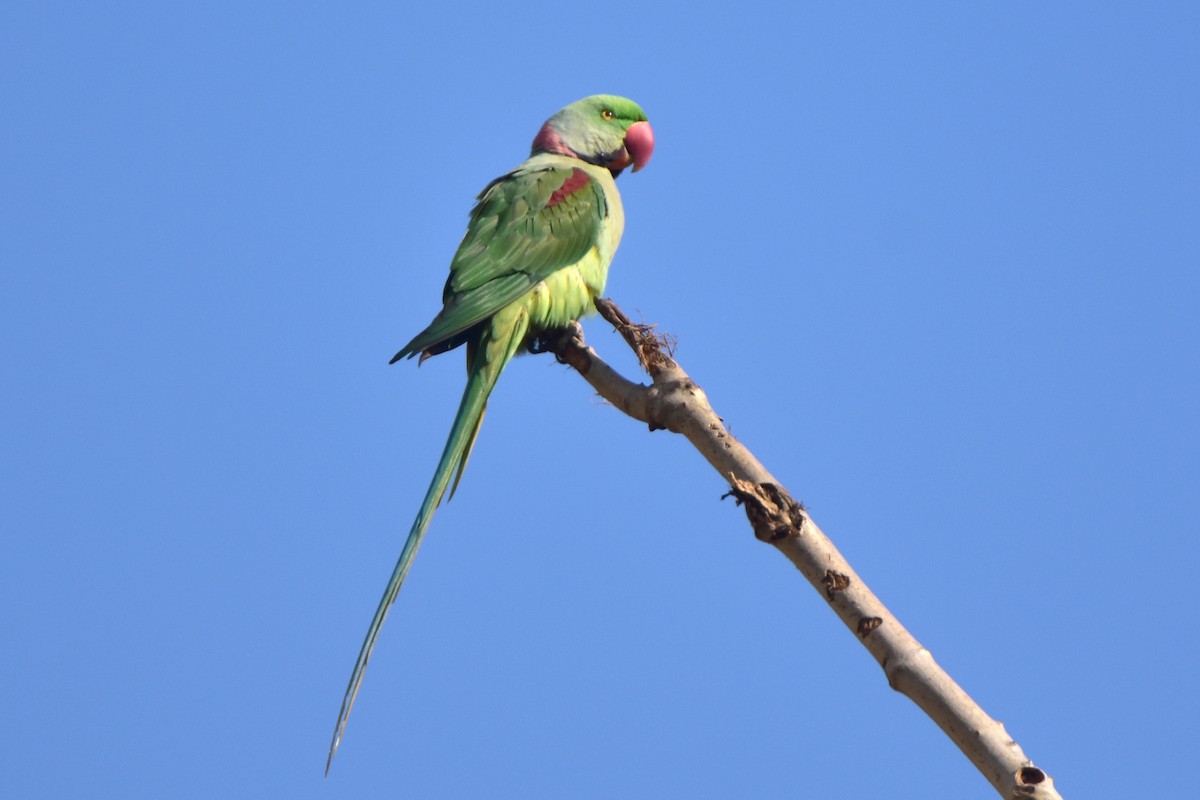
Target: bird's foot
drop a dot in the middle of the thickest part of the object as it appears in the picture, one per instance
(552, 341)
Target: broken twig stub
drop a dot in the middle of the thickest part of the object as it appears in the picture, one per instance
(772, 512)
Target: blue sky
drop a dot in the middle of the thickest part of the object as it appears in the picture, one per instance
(935, 265)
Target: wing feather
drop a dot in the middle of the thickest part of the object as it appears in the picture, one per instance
(527, 225)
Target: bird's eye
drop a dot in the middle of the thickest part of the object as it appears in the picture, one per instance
(607, 113)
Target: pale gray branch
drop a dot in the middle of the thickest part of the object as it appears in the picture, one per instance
(674, 402)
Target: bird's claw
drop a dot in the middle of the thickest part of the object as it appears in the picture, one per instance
(553, 340)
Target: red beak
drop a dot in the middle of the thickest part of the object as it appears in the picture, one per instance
(639, 143)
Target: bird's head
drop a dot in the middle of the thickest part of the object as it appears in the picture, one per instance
(603, 129)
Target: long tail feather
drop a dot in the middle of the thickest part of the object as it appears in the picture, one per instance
(486, 364)
(472, 348)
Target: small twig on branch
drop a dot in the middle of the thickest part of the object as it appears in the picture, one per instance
(674, 402)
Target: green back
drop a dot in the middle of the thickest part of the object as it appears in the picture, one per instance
(528, 224)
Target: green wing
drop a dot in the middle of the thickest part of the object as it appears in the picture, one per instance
(527, 225)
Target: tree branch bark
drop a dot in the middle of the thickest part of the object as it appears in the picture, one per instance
(674, 402)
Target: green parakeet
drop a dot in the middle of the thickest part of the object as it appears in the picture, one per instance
(535, 255)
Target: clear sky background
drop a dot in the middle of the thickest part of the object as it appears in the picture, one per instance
(936, 265)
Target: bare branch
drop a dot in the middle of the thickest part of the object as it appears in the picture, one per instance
(674, 402)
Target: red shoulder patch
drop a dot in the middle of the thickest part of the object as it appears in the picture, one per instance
(571, 185)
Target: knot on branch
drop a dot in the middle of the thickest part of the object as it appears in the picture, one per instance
(835, 582)
(1033, 783)
(868, 624)
(772, 512)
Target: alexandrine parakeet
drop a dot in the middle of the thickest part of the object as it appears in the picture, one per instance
(535, 255)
